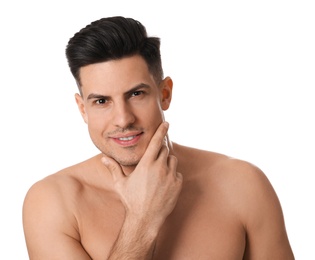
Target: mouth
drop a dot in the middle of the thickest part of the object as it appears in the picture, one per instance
(127, 140)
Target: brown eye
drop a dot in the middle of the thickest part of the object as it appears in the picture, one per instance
(100, 101)
(137, 93)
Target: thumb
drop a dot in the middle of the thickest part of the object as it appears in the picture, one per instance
(113, 167)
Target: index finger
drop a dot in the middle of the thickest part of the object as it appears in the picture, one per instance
(156, 142)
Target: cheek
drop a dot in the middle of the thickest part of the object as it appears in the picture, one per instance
(96, 123)
(154, 109)
(155, 115)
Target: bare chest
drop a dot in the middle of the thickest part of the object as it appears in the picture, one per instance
(198, 228)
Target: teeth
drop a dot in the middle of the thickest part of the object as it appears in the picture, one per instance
(126, 138)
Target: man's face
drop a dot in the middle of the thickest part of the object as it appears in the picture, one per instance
(123, 106)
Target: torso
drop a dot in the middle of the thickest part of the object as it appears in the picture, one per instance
(205, 223)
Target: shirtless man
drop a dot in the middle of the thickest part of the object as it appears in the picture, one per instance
(143, 196)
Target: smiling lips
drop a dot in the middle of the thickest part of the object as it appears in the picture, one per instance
(127, 140)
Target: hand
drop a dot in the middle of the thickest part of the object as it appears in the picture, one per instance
(151, 191)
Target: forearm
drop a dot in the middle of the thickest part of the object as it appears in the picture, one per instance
(136, 240)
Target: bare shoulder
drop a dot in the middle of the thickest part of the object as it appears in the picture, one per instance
(247, 186)
(215, 165)
(61, 184)
(240, 183)
(62, 187)
(247, 195)
(51, 199)
(240, 175)
(50, 216)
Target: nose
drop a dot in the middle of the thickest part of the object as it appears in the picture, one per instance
(123, 115)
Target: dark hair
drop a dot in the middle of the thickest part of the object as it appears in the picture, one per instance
(113, 38)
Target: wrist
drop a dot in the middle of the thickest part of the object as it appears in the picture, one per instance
(142, 226)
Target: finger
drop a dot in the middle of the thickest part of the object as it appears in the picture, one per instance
(113, 167)
(172, 165)
(163, 153)
(156, 142)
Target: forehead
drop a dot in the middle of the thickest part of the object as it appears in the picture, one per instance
(115, 75)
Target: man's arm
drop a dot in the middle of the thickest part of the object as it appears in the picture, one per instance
(149, 195)
(261, 214)
(49, 226)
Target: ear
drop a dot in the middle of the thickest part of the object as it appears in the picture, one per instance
(80, 103)
(166, 92)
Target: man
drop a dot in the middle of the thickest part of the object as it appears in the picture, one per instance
(143, 196)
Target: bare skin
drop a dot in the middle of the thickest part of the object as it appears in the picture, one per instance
(144, 197)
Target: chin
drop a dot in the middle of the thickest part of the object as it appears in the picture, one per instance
(128, 162)
(125, 159)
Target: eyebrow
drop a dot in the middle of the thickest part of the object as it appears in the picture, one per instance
(137, 87)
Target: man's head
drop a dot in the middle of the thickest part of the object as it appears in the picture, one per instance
(113, 38)
(122, 91)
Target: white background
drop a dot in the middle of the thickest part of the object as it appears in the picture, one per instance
(243, 75)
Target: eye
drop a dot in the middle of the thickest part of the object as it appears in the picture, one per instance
(137, 93)
(100, 101)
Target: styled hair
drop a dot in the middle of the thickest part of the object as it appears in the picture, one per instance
(113, 38)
